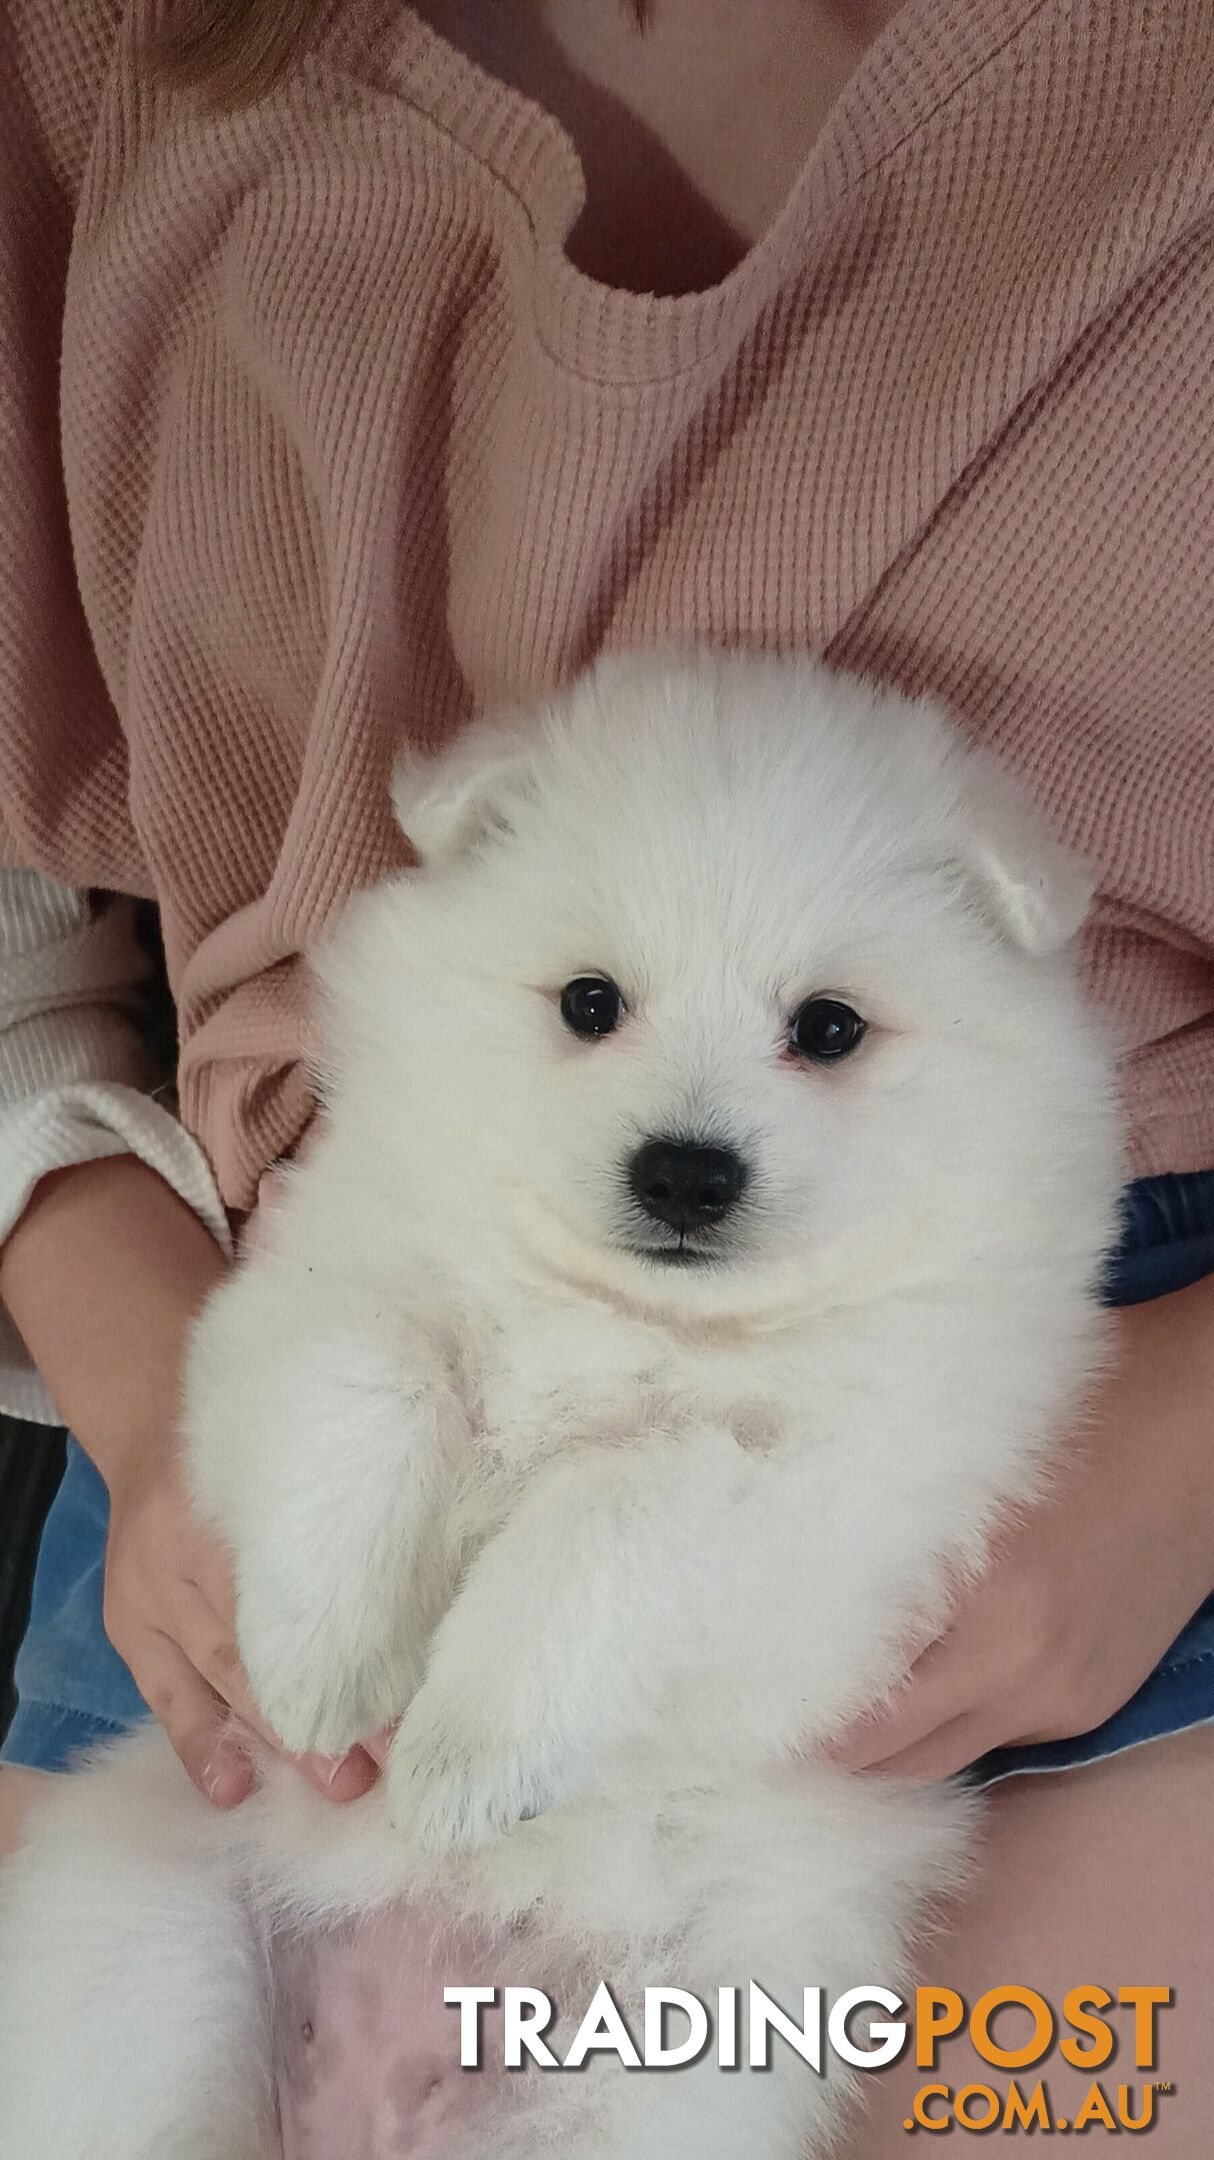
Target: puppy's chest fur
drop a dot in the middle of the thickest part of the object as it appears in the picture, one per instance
(543, 1383)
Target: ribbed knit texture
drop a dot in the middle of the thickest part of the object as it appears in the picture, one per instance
(77, 1080)
(352, 450)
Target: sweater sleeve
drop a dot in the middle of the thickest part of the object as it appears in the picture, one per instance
(76, 1074)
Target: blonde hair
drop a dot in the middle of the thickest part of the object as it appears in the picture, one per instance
(237, 48)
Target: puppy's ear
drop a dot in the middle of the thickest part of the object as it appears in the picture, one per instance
(1037, 891)
(447, 803)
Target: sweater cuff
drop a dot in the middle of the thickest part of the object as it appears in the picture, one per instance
(79, 1122)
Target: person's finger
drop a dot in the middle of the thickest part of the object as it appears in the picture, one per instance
(208, 1638)
(940, 1685)
(338, 1777)
(208, 1643)
(206, 1570)
(942, 1753)
(228, 1776)
(342, 1777)
(196, 1722)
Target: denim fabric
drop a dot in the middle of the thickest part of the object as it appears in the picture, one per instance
(73, 1688)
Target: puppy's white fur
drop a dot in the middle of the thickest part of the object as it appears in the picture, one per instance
(615, 1541)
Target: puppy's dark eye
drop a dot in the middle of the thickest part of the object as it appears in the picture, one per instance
(824, 1029)
(591, 1005)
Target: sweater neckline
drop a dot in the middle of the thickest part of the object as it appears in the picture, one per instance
(918, 63)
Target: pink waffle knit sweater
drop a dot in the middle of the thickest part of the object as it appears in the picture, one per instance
(349, 450)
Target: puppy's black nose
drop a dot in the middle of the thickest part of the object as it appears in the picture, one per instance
(686, 1184)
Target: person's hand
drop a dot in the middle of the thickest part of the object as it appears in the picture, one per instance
(1084, 1593)
(109, 1341)
(169, 1612)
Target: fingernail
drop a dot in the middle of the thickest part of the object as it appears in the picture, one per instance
(355, 1773)
(227, 1778)
(321, 1769)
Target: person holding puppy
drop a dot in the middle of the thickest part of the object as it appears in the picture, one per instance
(405, 358)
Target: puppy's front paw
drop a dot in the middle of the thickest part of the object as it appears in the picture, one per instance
(453, 1785)
(313, 1679)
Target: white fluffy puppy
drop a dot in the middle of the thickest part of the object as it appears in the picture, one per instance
(700, 1246)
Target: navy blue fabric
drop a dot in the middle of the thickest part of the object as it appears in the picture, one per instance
(73, 1688)
(1168, 1240)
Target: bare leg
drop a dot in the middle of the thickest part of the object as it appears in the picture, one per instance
(1097, 1876)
